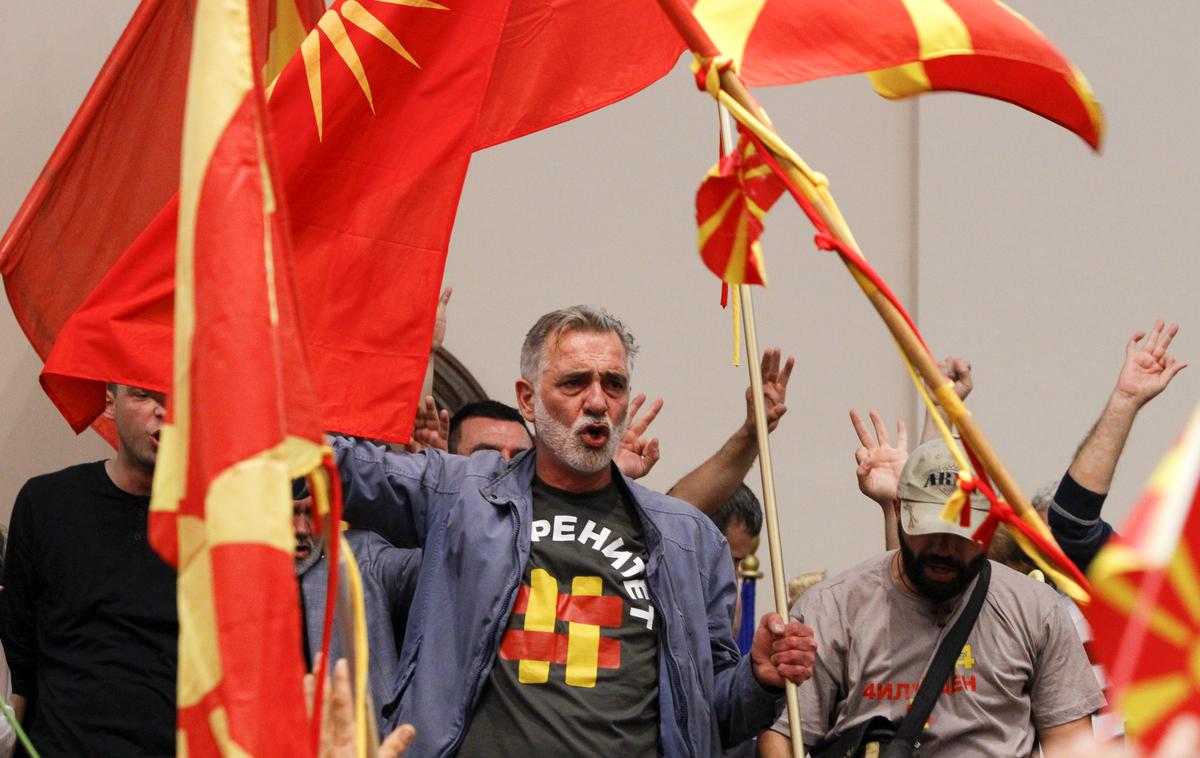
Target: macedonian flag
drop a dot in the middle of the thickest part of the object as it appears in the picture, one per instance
(1145, 610)
(730, 206)
(907, 47)
(242, 418)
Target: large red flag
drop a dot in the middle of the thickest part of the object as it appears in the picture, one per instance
(376, 117)
(241, 416)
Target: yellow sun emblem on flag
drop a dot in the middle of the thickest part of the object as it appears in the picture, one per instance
(333, 25)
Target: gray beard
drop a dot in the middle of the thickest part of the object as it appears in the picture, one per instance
(567, 444)
(314, 555)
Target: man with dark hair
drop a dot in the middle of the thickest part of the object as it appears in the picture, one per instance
(563, 609)
(1022, 676)
(488, 425)
(88, 608)
(740, 519)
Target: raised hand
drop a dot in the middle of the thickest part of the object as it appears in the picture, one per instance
(775, 382)
(958, 370)
(636, 456)
(431, 428)
(1148, 368)
(439, 321)
(879, 463)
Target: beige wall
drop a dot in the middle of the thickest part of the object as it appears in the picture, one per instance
(1068, 259)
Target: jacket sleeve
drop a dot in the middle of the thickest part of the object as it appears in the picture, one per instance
(388, 493)
(743, 707)
(1076, 524)
(18, 601)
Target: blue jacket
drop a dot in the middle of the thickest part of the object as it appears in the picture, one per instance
(472, 517)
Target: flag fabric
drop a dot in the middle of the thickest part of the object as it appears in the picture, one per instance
(114, 168)
(907, 47)
(241, 416)
(1145, 611)
(730, 206)
(377, 117)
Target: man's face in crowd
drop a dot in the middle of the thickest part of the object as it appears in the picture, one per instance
(479, 433)
(939, 566)
(138, 415)
(306, 547)
(581, 400)
(740, 540)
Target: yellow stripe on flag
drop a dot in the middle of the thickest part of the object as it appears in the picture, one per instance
(940, 32)
(1182, 573)
(1147, 702)
(729, 24)
(199, 655)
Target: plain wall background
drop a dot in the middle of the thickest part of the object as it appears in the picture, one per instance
(1010, 242)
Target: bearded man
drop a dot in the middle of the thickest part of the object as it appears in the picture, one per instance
(1022, 676)
(563, 609)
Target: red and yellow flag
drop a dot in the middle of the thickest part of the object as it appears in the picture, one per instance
(242, 418)
(730, 206)
(377, 118)
(1145, 610)
(907, 47)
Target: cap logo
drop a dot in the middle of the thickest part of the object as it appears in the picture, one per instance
(942, 479)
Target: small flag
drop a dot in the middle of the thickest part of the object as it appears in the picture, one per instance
(730, 206)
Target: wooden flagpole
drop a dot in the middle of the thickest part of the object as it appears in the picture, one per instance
(770, 511)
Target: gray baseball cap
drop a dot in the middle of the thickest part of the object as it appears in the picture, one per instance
(927, 481)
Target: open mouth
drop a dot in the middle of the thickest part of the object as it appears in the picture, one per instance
(303, 551)
(940, 572)
(595, 435)
(154, 436)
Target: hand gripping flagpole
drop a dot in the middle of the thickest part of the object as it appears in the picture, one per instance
(734, 95)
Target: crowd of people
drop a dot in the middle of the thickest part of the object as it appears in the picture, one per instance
(526, 595)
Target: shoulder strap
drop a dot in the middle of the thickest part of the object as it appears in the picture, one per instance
(942, 664)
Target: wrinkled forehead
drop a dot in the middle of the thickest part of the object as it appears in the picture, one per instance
(586, 347)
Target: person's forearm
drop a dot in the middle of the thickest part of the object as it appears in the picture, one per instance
(1097, 457)
(930, 430)
(891, 536)
(713, 482)
(772, 744)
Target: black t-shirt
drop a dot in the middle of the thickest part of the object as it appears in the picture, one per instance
(577, 670)
(88, 618)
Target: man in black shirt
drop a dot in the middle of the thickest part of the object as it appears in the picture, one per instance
(88, 609)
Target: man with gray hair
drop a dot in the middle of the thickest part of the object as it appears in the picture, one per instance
(563, 609)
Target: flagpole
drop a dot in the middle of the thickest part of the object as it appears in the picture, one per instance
(770, 511)
(765, 468)
(910, 344)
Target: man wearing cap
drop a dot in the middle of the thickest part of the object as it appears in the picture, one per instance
(1022, 678)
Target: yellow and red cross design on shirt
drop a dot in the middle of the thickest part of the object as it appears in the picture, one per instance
(582, 648)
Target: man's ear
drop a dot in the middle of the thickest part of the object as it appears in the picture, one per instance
(525, 399)
(110, 400)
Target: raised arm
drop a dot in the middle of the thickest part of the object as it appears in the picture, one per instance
(387, 492)
(879, 466)
(714, 481)
(1075, 516)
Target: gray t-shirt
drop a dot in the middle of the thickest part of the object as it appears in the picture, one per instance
(1022, 669)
